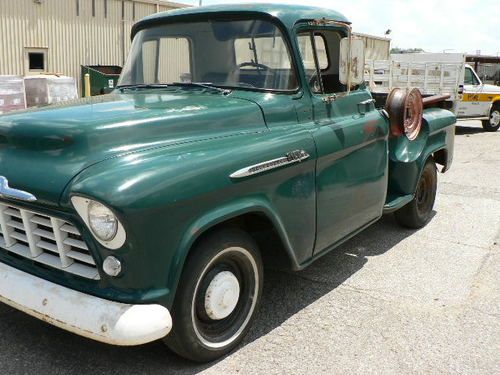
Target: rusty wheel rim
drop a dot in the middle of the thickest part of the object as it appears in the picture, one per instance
(413, 114)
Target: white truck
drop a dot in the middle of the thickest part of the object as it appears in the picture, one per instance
(439, 74)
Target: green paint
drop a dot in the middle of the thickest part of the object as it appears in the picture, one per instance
(288, 15)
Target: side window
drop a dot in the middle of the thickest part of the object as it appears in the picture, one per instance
(307, 53)
(320, 51)
(470, 78)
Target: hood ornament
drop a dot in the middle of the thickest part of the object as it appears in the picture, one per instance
(8, 192)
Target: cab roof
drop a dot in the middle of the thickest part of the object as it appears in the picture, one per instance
(289, 15)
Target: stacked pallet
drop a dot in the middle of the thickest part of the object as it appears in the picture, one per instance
(18, 92)
(12, 93)
(49, 89)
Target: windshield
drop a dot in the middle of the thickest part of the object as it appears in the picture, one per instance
(248, 54)
(470, 77)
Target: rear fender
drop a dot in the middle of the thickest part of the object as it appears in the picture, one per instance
(407, 158)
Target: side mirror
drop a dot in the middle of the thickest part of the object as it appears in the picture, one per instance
(352, 61)
(460, 89)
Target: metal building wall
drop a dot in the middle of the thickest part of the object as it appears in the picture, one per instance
(94, 37)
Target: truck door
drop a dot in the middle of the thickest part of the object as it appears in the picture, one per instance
(472, 103)
(352, 143)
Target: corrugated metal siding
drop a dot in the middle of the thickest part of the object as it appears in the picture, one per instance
(174, 60)
(70, 40)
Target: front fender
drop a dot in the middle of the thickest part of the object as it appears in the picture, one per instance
(228, 211)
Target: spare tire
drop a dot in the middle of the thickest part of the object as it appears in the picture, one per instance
(405, 109)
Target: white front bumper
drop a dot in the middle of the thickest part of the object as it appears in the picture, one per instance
(96, 318)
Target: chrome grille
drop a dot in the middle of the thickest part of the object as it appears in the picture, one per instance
(45, 239)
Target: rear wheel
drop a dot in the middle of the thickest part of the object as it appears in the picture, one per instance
(217, 297)
(417, 213)
(493, 123)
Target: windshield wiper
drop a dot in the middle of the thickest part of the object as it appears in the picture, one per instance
(143, 86)
(206, 85)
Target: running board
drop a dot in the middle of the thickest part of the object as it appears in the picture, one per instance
(396, 203)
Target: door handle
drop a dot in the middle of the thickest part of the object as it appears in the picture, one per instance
(367, 101)
(329, 99)
(364, 106)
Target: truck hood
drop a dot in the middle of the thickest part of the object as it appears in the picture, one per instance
(491, 89)
(42, 150)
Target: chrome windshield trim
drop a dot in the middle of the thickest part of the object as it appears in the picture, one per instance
(290, 158)
(8, 192)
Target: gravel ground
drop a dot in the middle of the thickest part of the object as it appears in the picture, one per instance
(389, 301)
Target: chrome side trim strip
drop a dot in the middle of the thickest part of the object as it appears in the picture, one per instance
(8, 192)
(290, 158)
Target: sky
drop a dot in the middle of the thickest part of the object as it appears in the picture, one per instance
(433, 25)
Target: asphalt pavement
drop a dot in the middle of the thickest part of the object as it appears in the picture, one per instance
(389, 301)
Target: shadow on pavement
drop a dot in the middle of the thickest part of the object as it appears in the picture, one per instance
(464, 130)
(28, 345)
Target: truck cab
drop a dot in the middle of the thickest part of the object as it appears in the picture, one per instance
(238, 136)
(479, 100)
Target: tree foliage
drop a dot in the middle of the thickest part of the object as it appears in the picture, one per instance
(406, 50)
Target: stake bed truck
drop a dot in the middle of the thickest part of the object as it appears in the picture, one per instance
(439, 74)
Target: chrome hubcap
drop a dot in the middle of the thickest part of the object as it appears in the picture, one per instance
(222, 295)
(495, 118)
(225, 297)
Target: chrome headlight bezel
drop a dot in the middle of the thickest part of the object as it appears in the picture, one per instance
(82, 206)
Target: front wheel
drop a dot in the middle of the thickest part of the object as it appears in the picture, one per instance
(417, 213)
(493, 123)
(217, 297)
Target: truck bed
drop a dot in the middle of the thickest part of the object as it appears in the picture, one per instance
(433, 74)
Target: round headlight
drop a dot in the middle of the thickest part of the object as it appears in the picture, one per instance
(102, 221)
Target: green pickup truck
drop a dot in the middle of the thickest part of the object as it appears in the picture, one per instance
(238, 137)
